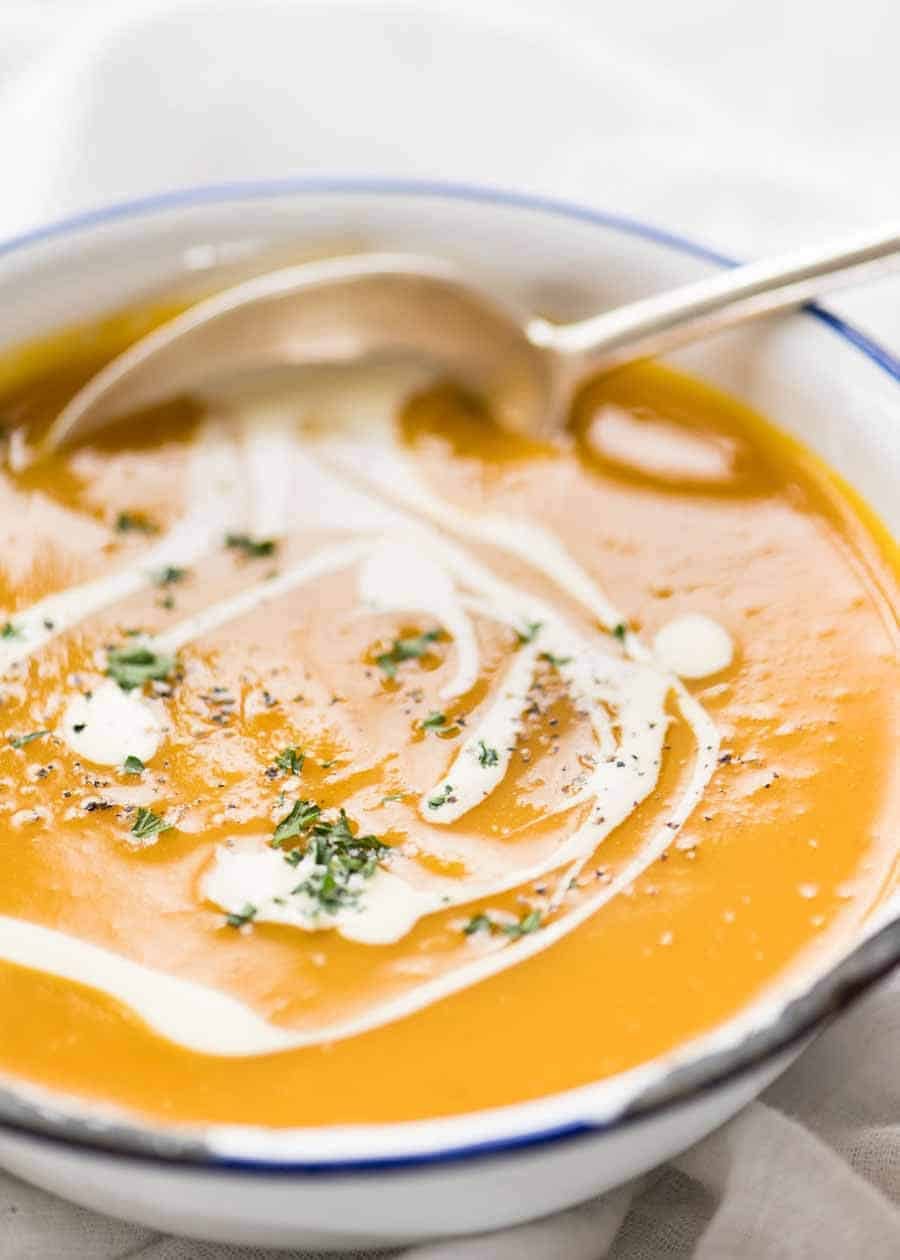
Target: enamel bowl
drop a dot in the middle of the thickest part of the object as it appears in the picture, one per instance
(386, 1184)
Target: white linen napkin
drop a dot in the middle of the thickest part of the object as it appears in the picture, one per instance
(749, 126)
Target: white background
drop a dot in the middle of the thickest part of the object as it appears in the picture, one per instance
(753, 125)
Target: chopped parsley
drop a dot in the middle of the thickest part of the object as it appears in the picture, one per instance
(252, 548)
(527, 924)
(147, 824)
(131, 667)
(341, 861)
(133, 765)
(9, 631)
(487, 756)
(619, 631)
(524, 926)
(290, 760)
(299, 819)
(169, 575)
(133, 523)
(434, 722)
(21, 740)
(406, 650)
(555, 661)
(530, 633)
(245, 915)
(441, 798)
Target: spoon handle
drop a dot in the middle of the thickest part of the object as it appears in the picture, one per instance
(663, 322)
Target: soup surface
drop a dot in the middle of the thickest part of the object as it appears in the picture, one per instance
(361, 762)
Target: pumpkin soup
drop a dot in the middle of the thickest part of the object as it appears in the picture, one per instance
(362, 762)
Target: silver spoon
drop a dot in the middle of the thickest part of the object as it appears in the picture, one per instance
(379, 305)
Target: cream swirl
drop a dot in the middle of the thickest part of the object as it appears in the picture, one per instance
(408, 549)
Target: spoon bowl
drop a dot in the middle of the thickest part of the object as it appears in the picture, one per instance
(342, 310)
(369, 306)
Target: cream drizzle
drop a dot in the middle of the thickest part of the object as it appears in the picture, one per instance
(269, 444)
(385, 910)
(328, 560)
(381, 465)
(635, 690)
(426, 580)
(216, 504)
(193, 1015)
(398, 577)
(472, 776)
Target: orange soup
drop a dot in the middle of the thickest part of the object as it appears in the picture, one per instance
(363, 763)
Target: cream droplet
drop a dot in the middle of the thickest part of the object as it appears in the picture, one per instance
(693, 646)
(111, 724)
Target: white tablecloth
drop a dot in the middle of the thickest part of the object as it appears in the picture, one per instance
(748, 125)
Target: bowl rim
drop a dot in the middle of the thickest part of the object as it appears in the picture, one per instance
(187, 1148)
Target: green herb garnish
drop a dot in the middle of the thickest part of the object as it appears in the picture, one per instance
(487, 756)
(406, 650)
(340, 861)
(147, 824)
(21, 740)
(9, 631)
(133, 666)
(527, 924)
(300, 818)
(133, 765)
(441, 798)
(133, 523)
(290, 760)
(555, 661)
(245, 915)
(434, 722)
(252, 548)
(530, 633)
(169, 575)
(620, 631)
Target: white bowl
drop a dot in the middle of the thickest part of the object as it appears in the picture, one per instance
(382, 1184)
